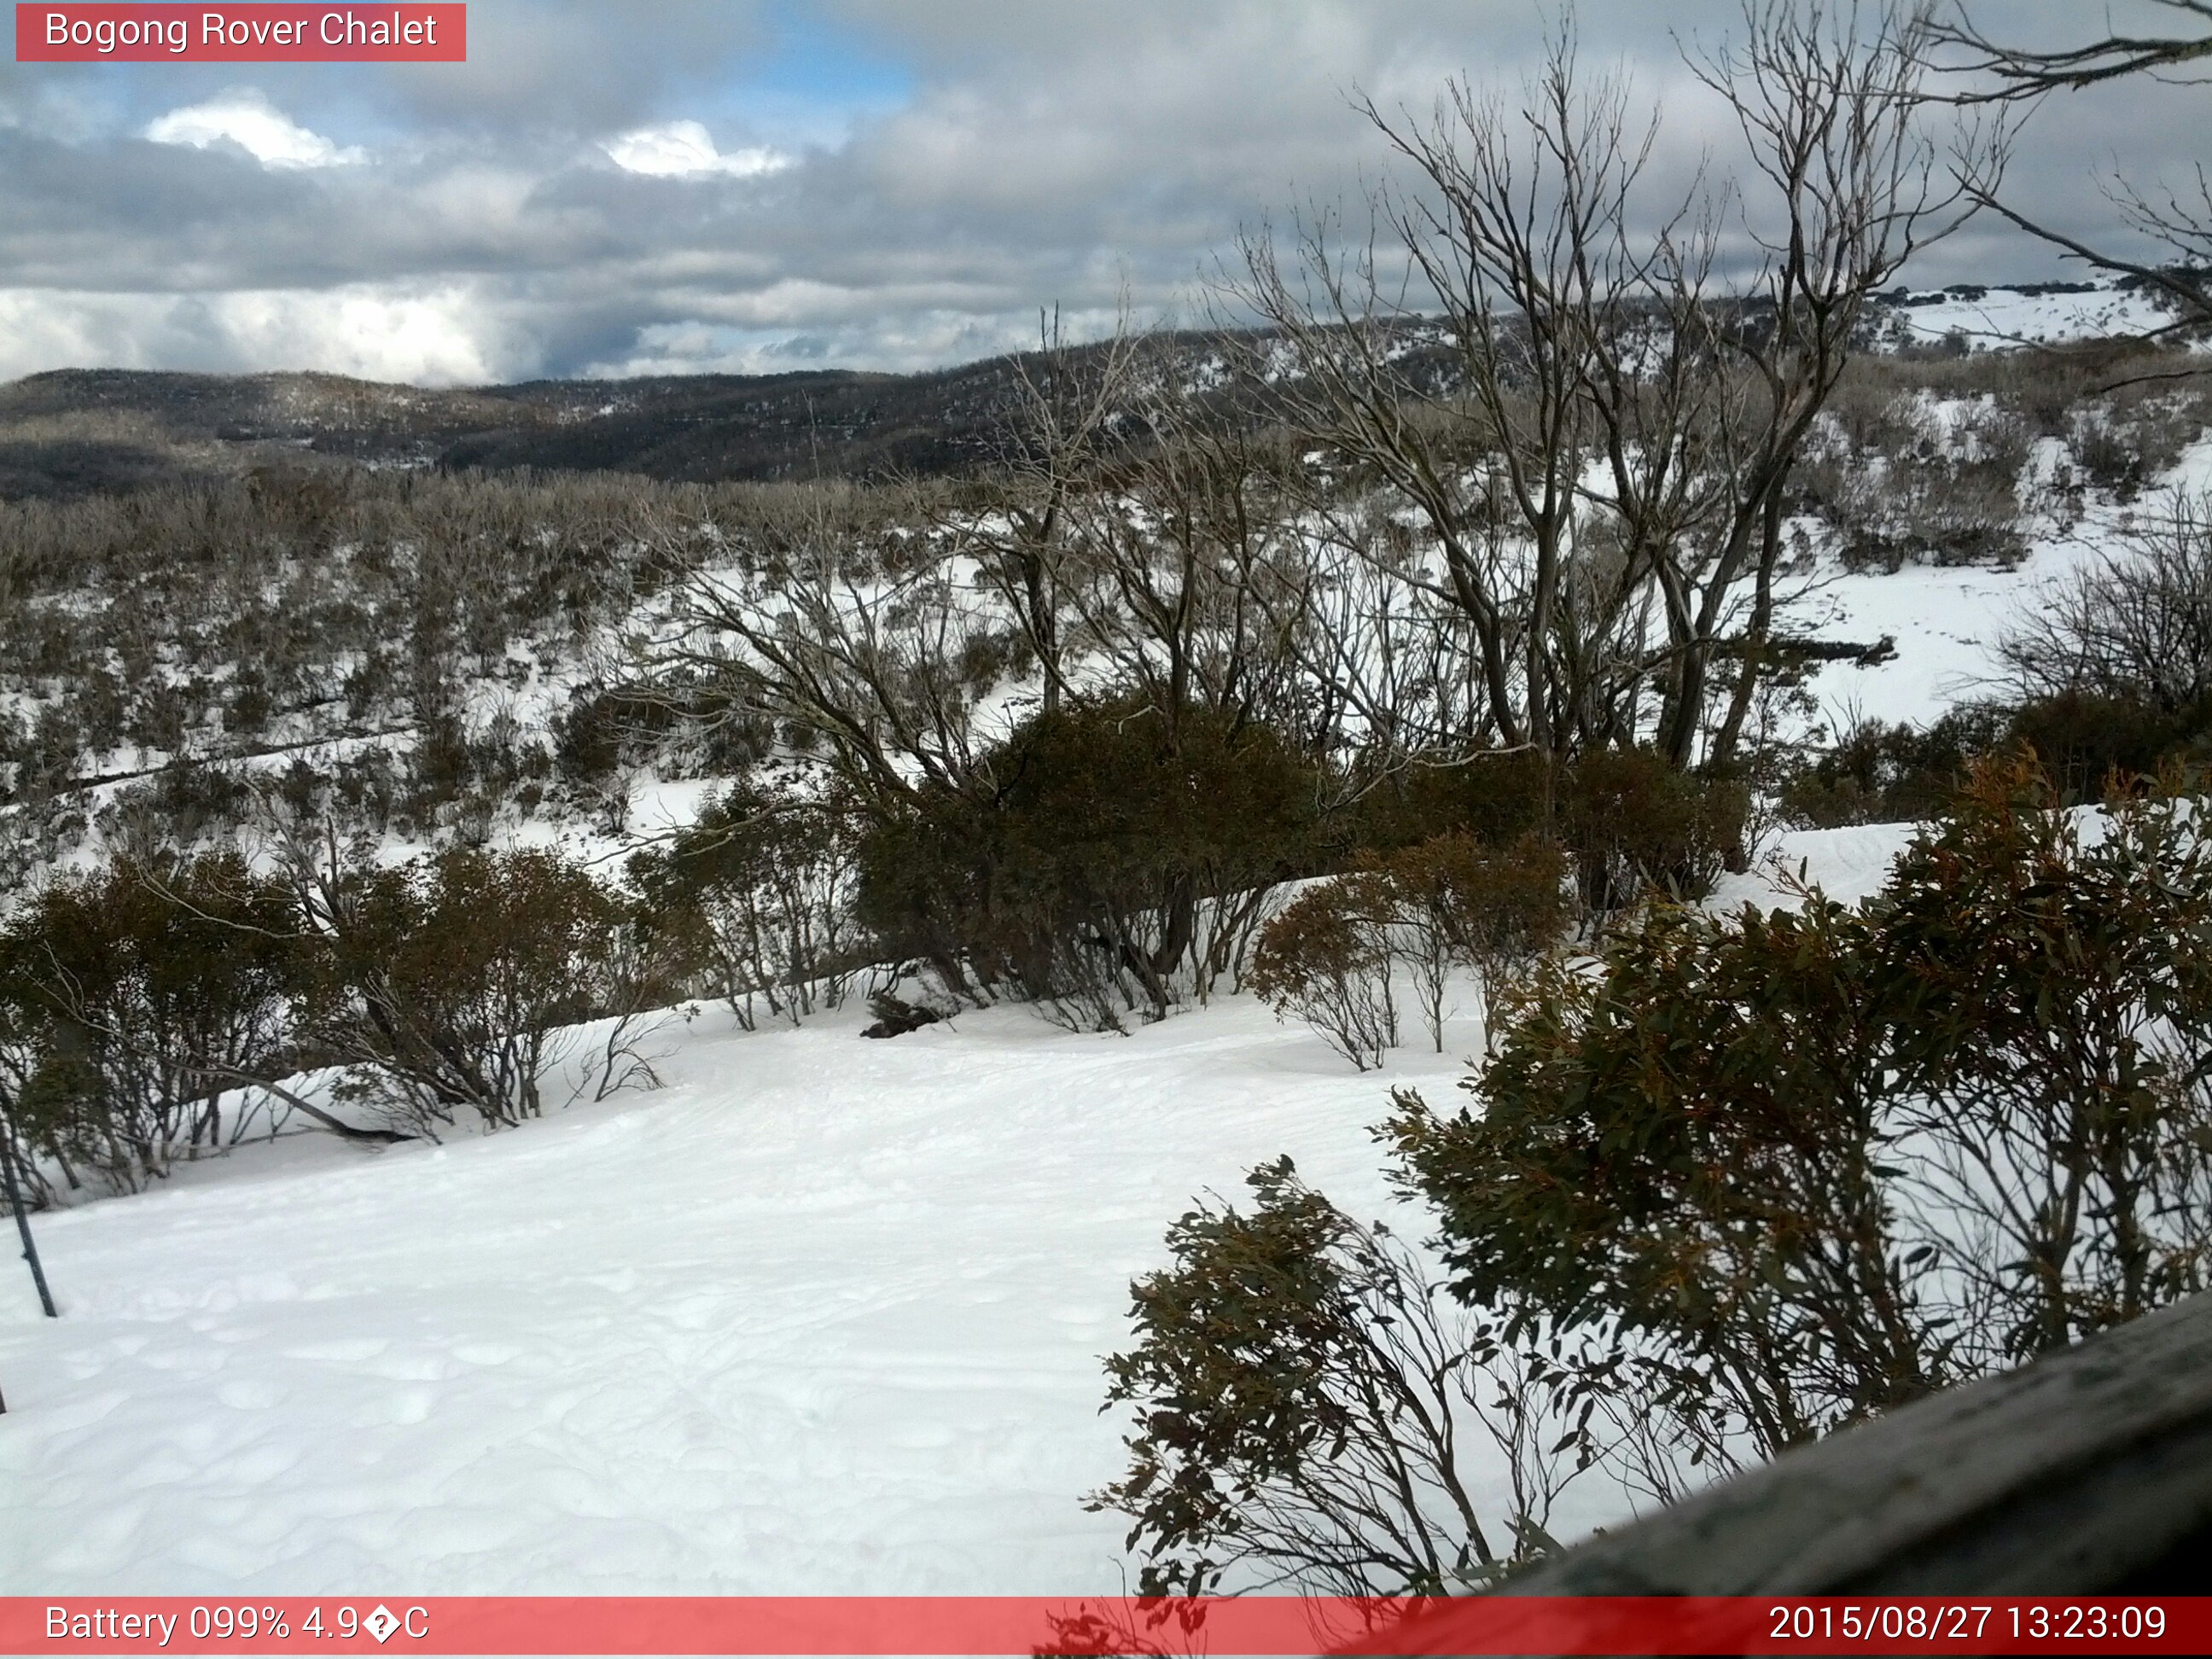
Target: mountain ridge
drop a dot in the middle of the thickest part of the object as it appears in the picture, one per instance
(70, 432)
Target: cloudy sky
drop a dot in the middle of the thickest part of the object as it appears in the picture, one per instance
(763, 185)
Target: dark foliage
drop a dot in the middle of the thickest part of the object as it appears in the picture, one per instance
(137, 1007)
(1494, 908)
(895, 1016)
(1632, 824)
(1326, 957)
(1091, 855)
(1301, 1393)
(1491, 796)
(1880, 773)
(1800, 1167)
(444, 983)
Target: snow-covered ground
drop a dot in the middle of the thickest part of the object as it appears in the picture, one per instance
(1945, 619)
(1847, 864)
(1998, 316)
(822, 1315)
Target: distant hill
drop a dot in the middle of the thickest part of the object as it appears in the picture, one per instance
(73, 431)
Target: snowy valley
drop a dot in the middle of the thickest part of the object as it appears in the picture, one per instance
(816, 1310)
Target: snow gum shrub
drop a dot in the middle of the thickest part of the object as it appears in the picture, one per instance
(446, 985)
(1673, 1156)
(2087, 743)
(1102, 861)
(1886, 774)
(2124, 442)
(2055, 1011)
(1494, 909)
(1877, 772)
(684, 727)
(1791, 1170)
(924, 893)
(1303, 1395)
(762, 887)
(137, 1005)
(1494, 798)
(1327, 958)
(1633, 824)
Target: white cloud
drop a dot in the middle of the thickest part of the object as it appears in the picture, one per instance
(1015, 156)
(431, 334)
(255, 125)
(686, 150)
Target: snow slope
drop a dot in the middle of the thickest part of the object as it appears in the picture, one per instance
(2003, 316)
(822, 1315)
(1945, 619)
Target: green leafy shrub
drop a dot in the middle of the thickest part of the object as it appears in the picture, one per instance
(1101, 859)
(1798, 1168)
(1301, 1390)
(1327, 958)
(2086, 744)
(1494, 798)
(1882, 773)
(1494, 909)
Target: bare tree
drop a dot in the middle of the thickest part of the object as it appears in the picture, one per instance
(1843, 189)
(871, 642)
(2134, 626)
(1581, 335)
(1509, 231)
(2177, 220)
(1186, 564)
(1070, 402)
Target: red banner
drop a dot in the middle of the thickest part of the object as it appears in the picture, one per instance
(1022, 1625)
(343, 33)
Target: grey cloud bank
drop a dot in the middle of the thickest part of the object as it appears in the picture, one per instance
(610, 190)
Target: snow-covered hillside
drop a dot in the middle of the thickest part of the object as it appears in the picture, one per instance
(1945, 619)
(2048, 313)
(821, 1315)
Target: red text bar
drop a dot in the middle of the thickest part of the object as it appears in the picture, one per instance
(1022, 1625)
(68, 33)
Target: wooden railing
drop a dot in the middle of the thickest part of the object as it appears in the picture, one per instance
(2088, 1473)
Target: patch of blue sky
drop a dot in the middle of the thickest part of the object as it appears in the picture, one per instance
(818, 79)
(810, 81)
